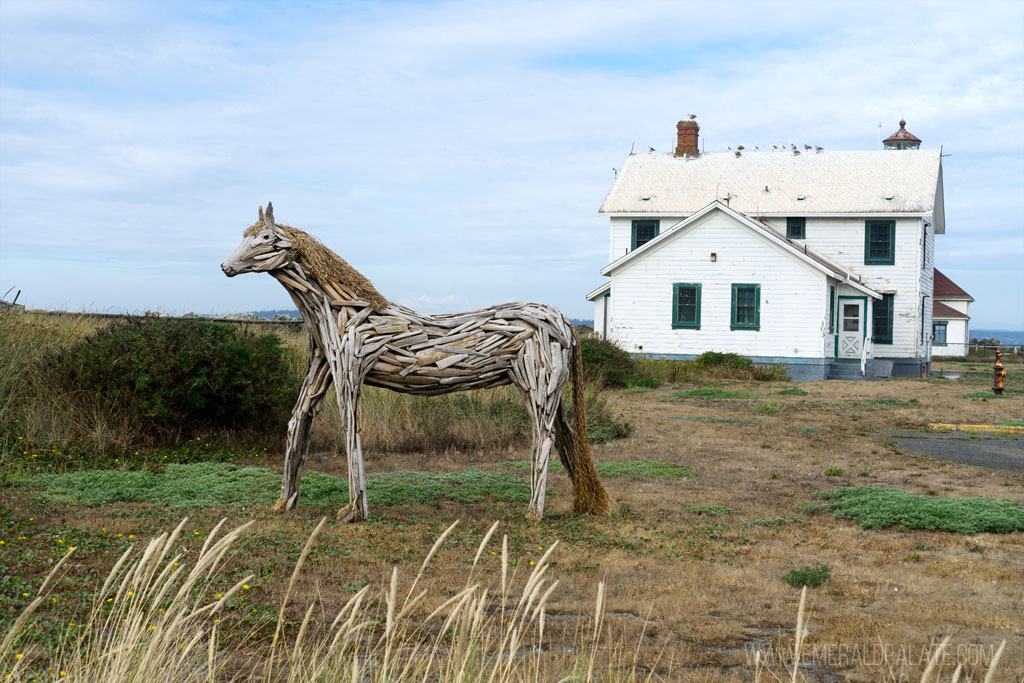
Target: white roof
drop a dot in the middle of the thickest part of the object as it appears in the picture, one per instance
(830, 182)
(799, 252)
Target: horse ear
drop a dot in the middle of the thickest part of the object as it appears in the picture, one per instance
(268, 217)
(261, 214)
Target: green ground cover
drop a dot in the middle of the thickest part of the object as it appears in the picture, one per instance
(201, 485)
(880, 508)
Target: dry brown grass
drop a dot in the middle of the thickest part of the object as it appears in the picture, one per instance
(695, 594)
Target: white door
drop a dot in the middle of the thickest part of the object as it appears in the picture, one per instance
(851, 329)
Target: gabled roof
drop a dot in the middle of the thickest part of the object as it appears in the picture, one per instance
(771, 183)
(800, 252)
(941, 311)
(944, 288)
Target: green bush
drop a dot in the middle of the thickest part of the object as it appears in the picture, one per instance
(605, 362)
(639, 382)
(808, 576)
(180, 377)
(716, 359)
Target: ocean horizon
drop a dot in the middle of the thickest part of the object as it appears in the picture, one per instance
(1004, 336)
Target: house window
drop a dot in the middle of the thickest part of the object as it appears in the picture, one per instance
(796, 228)
(831, 309)
(882, 322)
(939, 333)
(746, 307)
(685, 306)
(879, 243)
(644, 232)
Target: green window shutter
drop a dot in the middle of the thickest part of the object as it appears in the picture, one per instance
(746, 307)
(796, 228)
(881, 325)
(686, 306)
(879, 243)
(643, 232)
(831, 309)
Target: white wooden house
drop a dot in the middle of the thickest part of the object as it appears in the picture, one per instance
(818, 260)
(951, 317)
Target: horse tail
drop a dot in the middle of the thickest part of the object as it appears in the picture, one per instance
(589, 494)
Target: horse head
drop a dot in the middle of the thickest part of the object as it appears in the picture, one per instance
(264, 247)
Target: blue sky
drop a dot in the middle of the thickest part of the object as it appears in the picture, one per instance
(457, 152)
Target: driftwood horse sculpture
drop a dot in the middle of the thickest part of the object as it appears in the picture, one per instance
(357, 337)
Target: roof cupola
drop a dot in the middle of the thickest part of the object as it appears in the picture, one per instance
(902, 139)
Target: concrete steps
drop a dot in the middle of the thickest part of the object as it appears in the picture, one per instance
(847, 369)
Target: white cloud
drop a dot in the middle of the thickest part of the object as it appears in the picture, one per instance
(474, 139)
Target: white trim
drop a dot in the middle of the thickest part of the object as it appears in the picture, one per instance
(599, 291)
(634, 214)
(743, 220)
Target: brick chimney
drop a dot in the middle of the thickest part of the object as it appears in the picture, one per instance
(686, 138)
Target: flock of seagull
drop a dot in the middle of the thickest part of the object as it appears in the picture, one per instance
(775, 148)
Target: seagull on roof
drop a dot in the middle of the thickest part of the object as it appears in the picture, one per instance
(818, 148)
(796, 152)
(775, 147)
(728, 148)
(793, 146)
(693, 116)
(650, 149)
(756, 148)
(738, 154)
(740, 148)
(807, 147)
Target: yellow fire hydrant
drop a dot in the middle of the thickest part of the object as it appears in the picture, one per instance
(1000, 375)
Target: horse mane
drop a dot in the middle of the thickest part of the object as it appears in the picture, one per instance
(328, 267)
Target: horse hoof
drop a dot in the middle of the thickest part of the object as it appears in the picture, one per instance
(280, 506)
(349, 514)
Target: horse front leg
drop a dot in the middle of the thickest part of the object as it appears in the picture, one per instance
(311, 395)
(349, 391)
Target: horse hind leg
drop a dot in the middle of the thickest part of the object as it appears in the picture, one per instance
(541, 386)
(565, 441)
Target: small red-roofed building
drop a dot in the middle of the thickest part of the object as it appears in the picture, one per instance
(950, 317)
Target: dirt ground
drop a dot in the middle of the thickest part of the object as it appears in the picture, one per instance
(694, 566)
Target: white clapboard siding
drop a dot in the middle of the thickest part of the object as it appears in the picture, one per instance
(956, 339)
(793, 320)
(841, 240)
(960, 305)
(925, 289)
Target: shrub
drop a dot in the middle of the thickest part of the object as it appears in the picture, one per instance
(178, 377)
(808, 576)
(716, 359)
(605, 362)
(640, 382)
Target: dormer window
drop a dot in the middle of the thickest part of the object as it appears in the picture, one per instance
(643, 232)
(796, 228)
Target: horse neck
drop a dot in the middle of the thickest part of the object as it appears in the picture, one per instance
(311, 297)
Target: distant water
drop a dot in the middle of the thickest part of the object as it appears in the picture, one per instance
(1004, 336)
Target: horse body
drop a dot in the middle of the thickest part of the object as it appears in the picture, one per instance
(357, 337)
